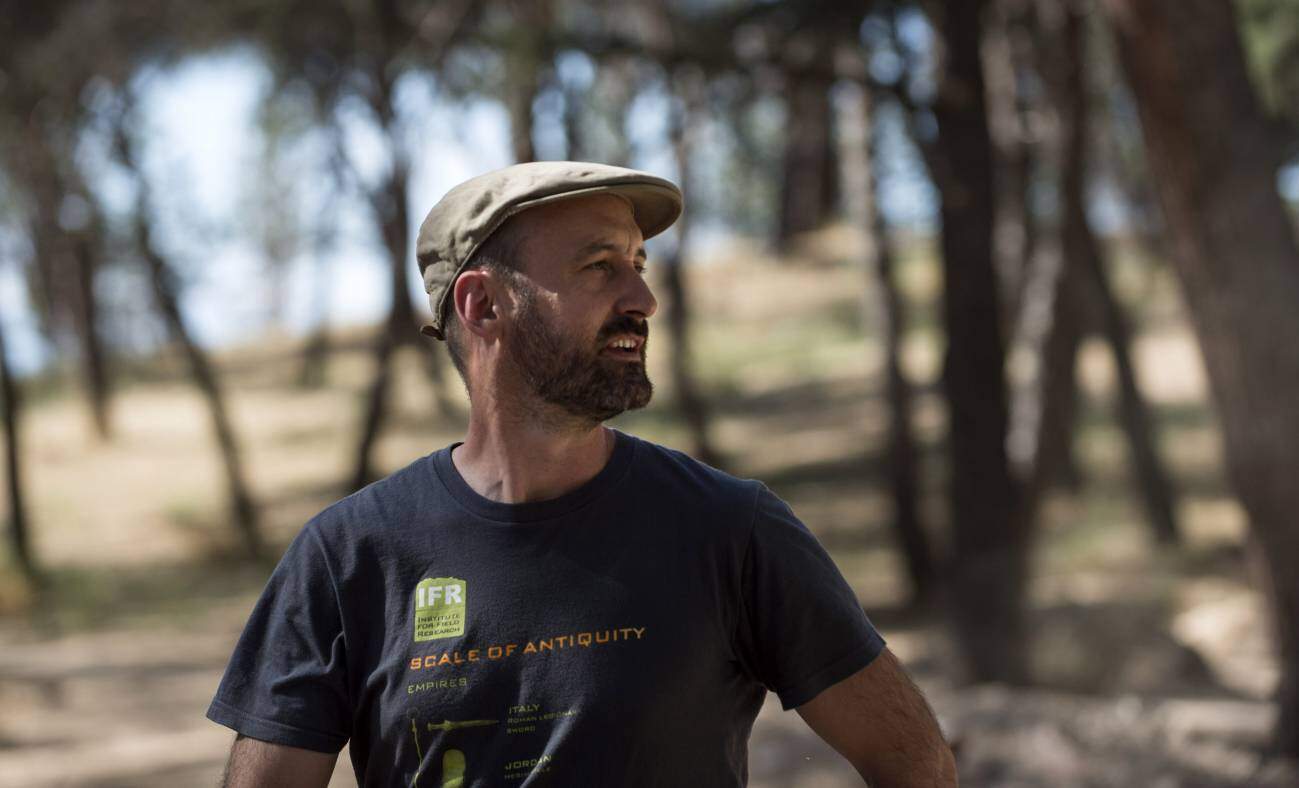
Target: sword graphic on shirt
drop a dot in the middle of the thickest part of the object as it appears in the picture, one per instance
(451, 725)
(414, 731)
(453, 761)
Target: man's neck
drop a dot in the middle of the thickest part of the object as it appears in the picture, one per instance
(521, 460)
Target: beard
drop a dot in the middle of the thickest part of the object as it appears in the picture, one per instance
(566, 373)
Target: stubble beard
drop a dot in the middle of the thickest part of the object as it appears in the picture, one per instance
(562, 372)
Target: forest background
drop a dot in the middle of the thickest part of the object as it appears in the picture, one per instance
(1001, 295)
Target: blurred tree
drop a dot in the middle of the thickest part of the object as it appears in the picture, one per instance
(271, 204)
(164, 282)
(10, 400)
(528, 58)
(1216, 154)
(688, 86)
(1081, 286)
(385, 36)
(40, 113)
(351, 57)
(324, 236)
(1014, 93)
(60, 55)
(66, 230)
(797, 41)
(902, 460)
(989, 546)
(1082, 251)
(809, 189)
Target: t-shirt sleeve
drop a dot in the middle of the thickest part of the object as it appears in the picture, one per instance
(287, 680)
(801, 629)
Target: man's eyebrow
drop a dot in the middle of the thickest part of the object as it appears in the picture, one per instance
(604, 246)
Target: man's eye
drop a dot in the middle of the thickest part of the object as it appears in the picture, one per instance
(600, 264)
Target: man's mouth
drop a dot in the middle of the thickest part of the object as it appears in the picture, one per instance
(624, 346)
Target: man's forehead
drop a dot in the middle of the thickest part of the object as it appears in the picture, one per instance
(586, 222)
(613, 210)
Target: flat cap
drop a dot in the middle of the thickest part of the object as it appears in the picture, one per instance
(457, 226)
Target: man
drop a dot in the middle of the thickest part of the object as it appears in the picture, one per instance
(551, 601)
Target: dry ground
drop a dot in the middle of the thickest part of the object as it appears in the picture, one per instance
(1154, 666)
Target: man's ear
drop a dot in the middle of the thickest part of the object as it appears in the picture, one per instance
(476, 299)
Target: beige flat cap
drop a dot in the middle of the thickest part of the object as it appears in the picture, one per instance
(470, 212)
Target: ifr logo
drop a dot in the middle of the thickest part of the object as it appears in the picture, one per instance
(439, 608)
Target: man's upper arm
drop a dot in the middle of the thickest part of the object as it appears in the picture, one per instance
(879, 721)
(287, 680)
(254, 764)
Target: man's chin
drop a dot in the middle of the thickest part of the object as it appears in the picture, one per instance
(615, 406)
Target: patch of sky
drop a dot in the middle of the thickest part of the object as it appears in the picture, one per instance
(24, 348)
(1287, 182)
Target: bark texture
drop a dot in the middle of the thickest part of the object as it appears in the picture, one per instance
(903, 461)
(10, 400)
(808, 186)
(988, 546)
(1084, 296)
(692, 406)
(390, 208)
(1215, 158)
(166, 296)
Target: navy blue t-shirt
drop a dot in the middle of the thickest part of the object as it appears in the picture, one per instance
(623, 634)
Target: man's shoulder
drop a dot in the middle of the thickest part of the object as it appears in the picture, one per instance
(375, 508)
(681, 473)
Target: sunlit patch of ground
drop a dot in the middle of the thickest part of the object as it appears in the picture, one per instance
(1153, 664)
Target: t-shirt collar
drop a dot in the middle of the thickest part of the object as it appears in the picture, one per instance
(613, 471)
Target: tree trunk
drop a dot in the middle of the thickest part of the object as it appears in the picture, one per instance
(807, 190)
(521, 93)
(168, 303)
(1006, 62)
(161, 279)
(989, 560)
(94, 373)
(1083, 257)
(575, 120)
(693, 407)
(65, 268)
(902, 456)
(1051, 314)
(11, 400)
(315, 360)
(391, 208)
(315, 353)
(1216, 158)
(1154, 487)
(1054, 318)
(392, 213)
(526, 58)
(376, 400)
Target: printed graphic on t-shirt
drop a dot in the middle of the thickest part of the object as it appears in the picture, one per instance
(439, 608)
(438, 676)
(595, 638)
(455, 760)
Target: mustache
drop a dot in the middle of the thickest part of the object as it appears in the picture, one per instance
(625, 325)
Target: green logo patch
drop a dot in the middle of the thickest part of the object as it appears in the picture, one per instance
(439, 608)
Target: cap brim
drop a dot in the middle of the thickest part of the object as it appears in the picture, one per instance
(654, 207)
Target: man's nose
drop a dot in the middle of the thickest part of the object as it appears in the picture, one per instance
(638, 299)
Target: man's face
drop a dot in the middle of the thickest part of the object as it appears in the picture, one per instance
(581, 293)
